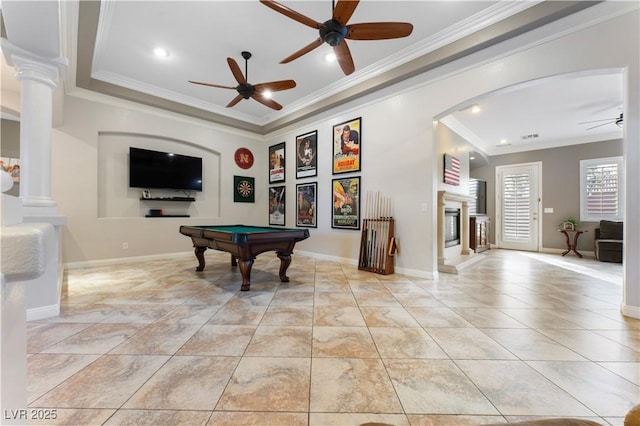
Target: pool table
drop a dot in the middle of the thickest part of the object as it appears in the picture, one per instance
(245, 243)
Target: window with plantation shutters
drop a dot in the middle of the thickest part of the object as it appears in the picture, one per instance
(601, 189)
(516, 207)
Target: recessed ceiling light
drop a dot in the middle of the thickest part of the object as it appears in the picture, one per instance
(503, 141)
(475, 108)
(472, 158)
(160, 52)
(330, 57)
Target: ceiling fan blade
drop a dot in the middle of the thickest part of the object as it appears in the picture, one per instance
(308, 48)
(600, 125)
(211, 85)
(234, 101)
(236, 71)
(267, 102)
(275, 86)
(595, 121)
(291, 13)
(343, 56)
(379, 30)
(343, 11)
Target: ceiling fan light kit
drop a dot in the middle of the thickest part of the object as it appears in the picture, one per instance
(336, 30)
(246, 90)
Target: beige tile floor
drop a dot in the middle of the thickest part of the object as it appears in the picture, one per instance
(516, 336)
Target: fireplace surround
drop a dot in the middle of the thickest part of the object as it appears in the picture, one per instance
(454, 255)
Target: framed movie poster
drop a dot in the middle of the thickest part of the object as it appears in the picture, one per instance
(243, 189)
(306, 204)
(306, 150)
(346, 203)
(276, 163)
(347, 139)
(276, 205)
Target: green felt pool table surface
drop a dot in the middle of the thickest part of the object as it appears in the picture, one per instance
(244, 229)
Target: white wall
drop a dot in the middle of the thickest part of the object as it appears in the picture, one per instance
(399, 148)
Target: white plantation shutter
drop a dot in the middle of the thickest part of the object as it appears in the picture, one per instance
(601, 195)
(516, 207)
(473, 192)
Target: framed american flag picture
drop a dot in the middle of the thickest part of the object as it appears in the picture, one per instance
(451, 170)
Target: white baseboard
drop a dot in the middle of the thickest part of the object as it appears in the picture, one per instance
(118, 260)
(345, 260)
(348, 261)
(43, 312)
(630, 311)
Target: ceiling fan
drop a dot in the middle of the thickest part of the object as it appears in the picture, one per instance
(619, 121)
(259, 92)
(335, 31)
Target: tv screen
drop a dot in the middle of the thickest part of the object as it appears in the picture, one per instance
(164, 170)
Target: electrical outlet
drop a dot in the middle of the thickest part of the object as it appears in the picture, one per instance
(125, 246)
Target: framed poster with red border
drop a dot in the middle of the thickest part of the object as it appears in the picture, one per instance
(277, 163)
(347, 146)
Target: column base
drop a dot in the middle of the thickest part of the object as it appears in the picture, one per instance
(32, 201)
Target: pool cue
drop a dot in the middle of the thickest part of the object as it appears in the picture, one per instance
(370, 234)
(363, 238)
(381, 232)
(375, 232)
(386, 235)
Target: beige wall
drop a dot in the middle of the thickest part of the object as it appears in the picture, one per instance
(560, 185)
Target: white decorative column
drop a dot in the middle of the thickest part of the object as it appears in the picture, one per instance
(465, 227)
(38, 78)
(440, 231)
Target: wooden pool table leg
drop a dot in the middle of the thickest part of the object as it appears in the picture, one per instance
(200, 256)
(245, 270)
(285, 261)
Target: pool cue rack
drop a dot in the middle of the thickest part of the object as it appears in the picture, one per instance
(377, 243)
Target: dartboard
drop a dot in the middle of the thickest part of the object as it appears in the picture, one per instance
(245, 188)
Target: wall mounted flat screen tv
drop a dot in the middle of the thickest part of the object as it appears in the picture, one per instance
(163, 170)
